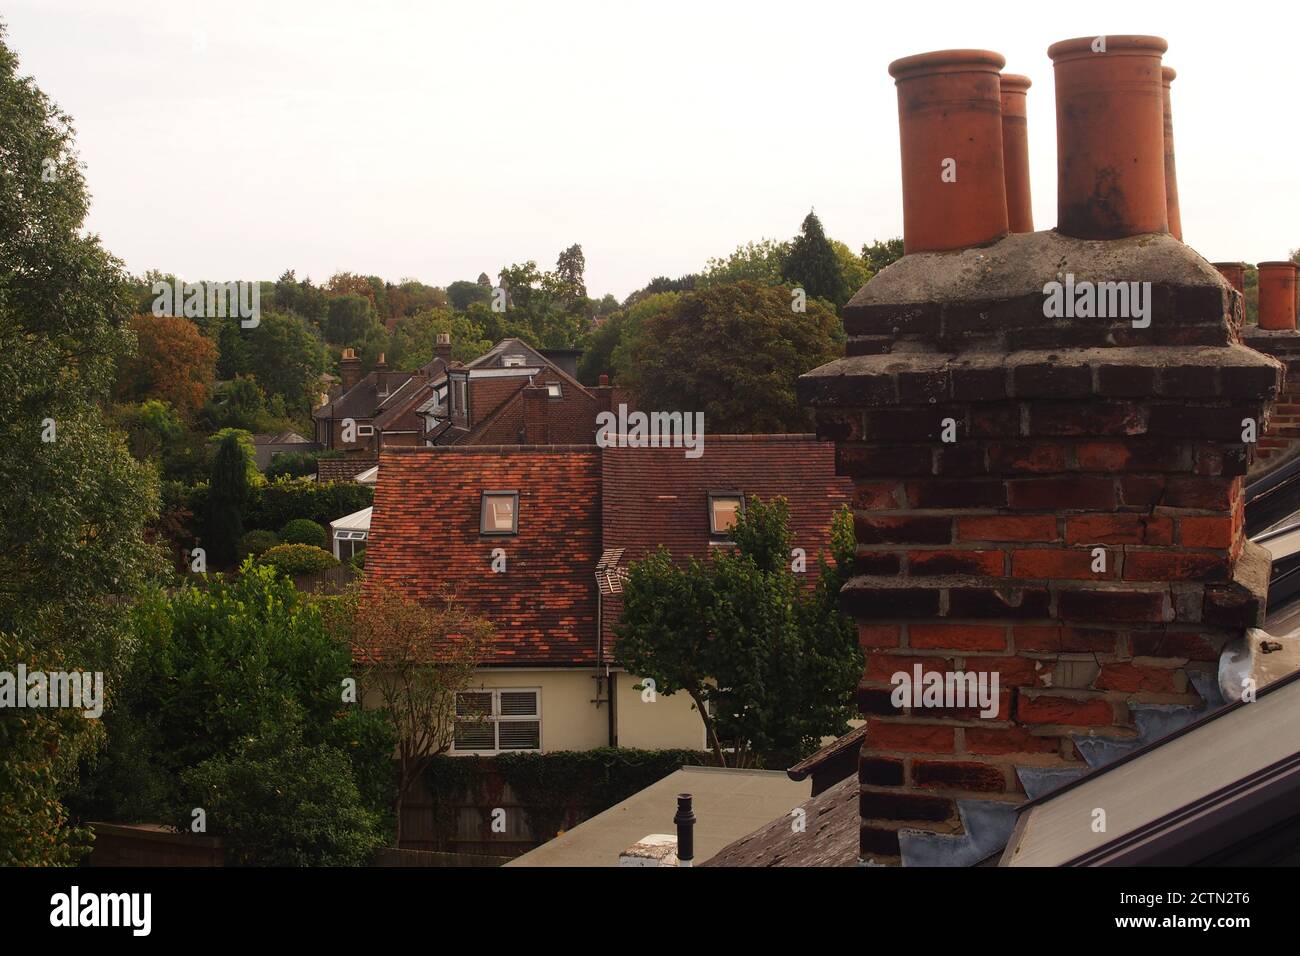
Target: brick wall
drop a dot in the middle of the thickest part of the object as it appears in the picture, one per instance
(1035, 504)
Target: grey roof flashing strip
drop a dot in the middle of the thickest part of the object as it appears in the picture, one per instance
(986, 826)
(1188, 728)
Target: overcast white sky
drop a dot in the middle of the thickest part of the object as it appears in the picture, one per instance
(439, 140)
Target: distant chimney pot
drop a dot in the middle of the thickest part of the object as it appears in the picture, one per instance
(604, 380)
(1015, 152)
(1277, 295)
(442, 347)
(950, 137)
(1110, 152)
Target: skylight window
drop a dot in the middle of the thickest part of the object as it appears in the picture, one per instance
(553, 390)
(499, 513)
(513, 361)
(725, 507)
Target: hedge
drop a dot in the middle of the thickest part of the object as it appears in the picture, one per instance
(557, 788)
(304, 531)
(294, 559)
(274, 504)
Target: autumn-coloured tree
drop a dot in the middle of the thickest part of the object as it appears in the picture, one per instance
(414, 659)
(173, 361)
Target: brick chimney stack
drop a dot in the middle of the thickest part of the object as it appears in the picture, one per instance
(1276, 335)
(1048, 469)
(442, 348)
(349, 369)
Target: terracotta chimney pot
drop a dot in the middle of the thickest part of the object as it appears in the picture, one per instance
(1277, 295)
(1167, 75)
(1015, 152)
(1110, 149)
(1235, 273)
(950, 136)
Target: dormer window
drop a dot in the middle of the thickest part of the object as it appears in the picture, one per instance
(499, 513)
(513, 361)
(725, 507)
(553, 390)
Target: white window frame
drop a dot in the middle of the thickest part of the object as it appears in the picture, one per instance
(513, 360)
(365, 431)
(353, 538)
(496, 719)
(554, 390)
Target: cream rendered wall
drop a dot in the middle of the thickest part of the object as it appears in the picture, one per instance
(671, 721)
(570, 721)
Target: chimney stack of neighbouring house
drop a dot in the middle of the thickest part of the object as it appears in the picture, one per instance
(1047, 446)
(950, 134)
(442, 349)
(1015, 152)
(536, 429)
(349, 369)
(1110, 151)
(1235, 273)
(1167, 75)
(1276, 335)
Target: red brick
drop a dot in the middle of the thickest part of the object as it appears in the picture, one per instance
(958, 637)
(1046, 709)
(1046, 418)
(1060, 494)
(950, 493)
(1132, 677)
(1211, 494)
(1143, 491)
(1118, 528)
(1007, 528)
(1008, 740)
(878, 635)
(881, 667)
(987, 563)
(1114, 605)
(881, 771)
(959, 775)
(1065, 640)
(1174, 566)
(975, 712)
(893, 805)
(1180, 644)
(1054, 563)
(1205, 532)
(878, 842)
(1011, 671)
(1117, 456)
(909, 738)
(876, 495)
(902, 529)
(1036, 457)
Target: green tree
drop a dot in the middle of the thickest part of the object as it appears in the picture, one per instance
(760, 262)
(462, 293)
(769, 664)
(73, 539)
(813, 265)
(349, 318)
(878, 255)
(286, 358)
(227, 495)
(732, 352)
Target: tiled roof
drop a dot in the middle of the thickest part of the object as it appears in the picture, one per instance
(362, 400)
(577, 503)
(342, 469)
(424, 535)
(829, 836)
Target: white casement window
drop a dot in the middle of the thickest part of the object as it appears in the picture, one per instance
(492, 721)
(348, 543)
(512, 361)
(553, 390)
(724, 508)
(365, 431)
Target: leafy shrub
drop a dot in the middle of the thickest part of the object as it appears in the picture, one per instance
(282, 803)
(254, 543)
(298, 559)
(276, 503)
(294, 464)
(304, 531)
